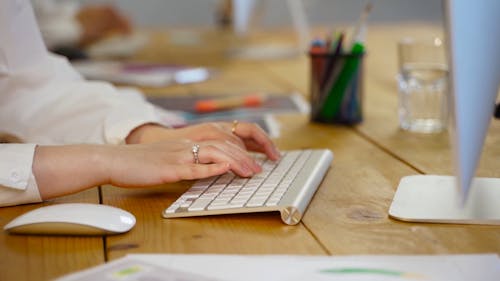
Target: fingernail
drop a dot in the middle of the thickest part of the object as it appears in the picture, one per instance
(258, 167)
(247, 171)
(277, 153)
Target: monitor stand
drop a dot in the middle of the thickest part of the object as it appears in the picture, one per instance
(436, 199)
(247, 12)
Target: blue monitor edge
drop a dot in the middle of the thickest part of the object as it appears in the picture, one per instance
(473, 37)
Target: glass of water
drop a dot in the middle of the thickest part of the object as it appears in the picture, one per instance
(423, 85)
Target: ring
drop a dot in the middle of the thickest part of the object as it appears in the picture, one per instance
(195, 149)
(233, 128)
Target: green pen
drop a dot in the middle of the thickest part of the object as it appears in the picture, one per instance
(335, 96)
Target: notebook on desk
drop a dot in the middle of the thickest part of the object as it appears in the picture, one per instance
(286, 186)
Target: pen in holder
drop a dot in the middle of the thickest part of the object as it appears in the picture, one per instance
(336, 86)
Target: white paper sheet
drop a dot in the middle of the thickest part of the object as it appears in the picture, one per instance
(271, 267)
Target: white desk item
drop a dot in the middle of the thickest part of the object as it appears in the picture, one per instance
(242, 11)
(484, 267)
(433, 198)
(247, 12)
(141, 74)
(286, 186)
(73, 219)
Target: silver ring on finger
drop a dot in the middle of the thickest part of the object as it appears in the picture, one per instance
(195, 149)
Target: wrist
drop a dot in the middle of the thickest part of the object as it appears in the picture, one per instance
(61, 170)
(102, 159)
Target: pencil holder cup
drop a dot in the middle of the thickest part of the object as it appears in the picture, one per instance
(336, 88)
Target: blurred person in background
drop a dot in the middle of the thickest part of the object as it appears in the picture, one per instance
(68, 28)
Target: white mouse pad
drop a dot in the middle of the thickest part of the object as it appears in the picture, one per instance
(433, 198)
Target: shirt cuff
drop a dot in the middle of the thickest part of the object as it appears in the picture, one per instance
(17, 182)
(118, 128)
(11, 197)
(138, 112)
(16, 165)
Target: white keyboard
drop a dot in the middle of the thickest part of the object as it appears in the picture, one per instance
(286, 186)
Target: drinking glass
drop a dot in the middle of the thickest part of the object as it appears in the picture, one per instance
(423, 85)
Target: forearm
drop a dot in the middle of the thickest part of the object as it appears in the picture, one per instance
(62, 170)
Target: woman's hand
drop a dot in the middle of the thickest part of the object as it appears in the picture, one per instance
(61, 170)
(172, 161)
(248, 136)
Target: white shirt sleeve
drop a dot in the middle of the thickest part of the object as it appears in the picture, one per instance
(17, 183)
(43, 100)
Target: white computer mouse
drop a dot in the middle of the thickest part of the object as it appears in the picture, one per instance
(73, 219)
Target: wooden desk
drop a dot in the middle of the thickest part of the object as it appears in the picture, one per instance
(348, 214)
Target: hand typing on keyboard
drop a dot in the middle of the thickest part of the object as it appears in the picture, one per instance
(218, 142)
(286, 186)
(154, 155)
